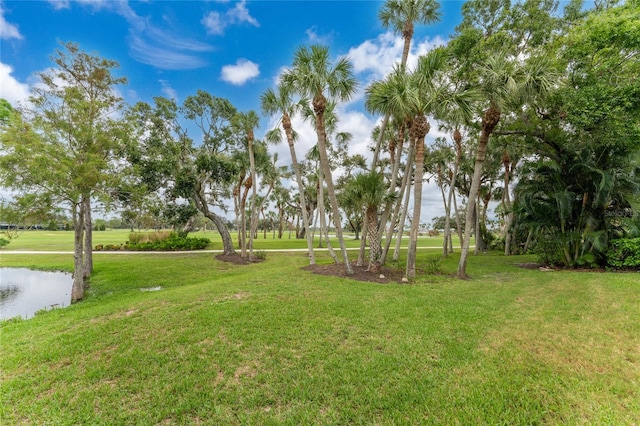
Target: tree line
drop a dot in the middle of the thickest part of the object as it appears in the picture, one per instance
(541, 107)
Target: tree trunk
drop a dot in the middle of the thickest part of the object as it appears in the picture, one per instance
(254, 180)
(458, 223)
(402, 205)
(77, 289)
(489, 121)
(326, 167)
(403, 217)
(389, 205)
(201, 204)
(374, 240)
(87, 268)
(417, 207)
(324, 229)
(457, 139)
(286, 124)
(419, 130)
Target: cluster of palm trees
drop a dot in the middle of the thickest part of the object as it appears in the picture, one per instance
(406, 99)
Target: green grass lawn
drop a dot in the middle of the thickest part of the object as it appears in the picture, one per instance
(63, 240)
(269, 343)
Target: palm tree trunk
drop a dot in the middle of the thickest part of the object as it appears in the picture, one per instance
(417, 210)
(243, 218)
(286, 123)
(324, 229)
(489, 121)
(456, 211)
(374, 240)
(326, 167)
(254, 180)
(401, 206)
(450, 197)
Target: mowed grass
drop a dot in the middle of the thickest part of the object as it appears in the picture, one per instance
(270, 343)
(63, 240)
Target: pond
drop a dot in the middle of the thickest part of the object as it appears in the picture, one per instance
(23, 292)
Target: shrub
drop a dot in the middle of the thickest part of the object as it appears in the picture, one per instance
(261, 255)
(624, 253)
(3, 242)
(166, 241)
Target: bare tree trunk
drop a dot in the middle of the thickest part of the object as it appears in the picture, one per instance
(77, 289)
(489, 121)
(506, 203)
(402, 198)
(458, 223)
(324, 229)
(457, 138)
(403, 220)
(243, 218)
(306, 222)
(87, 269)
(417, 204)
(201, 204)
(326, 167)
(254, 194)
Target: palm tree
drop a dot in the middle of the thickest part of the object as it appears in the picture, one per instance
(401, 15)
(370, 191)
(393, 96)
(247, 122)
(281, 102)
(507, 83)
(314, 77)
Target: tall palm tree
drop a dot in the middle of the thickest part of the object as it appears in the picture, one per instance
(401, 16)
(314, 77)
(393, 96)
(507, 83)
(281, 102)
(247, 122)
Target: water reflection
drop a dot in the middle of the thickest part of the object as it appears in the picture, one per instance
(24, 292)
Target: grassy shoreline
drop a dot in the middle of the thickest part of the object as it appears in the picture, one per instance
(270, 343)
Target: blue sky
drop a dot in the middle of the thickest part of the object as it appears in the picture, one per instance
(232, 49)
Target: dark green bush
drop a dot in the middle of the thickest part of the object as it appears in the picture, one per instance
(3, 242)
(624, 253)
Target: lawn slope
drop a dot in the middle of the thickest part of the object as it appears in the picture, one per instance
(268, 343)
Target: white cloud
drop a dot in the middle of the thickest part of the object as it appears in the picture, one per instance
(215, 23)
(376, 57)
(240, 73)
(10, 88)
(148, 43)
(7, 30)
(240, 13)
(169, 91)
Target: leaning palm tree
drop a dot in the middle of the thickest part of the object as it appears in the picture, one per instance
(314, 77)
(281, 102)
(507, 83)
